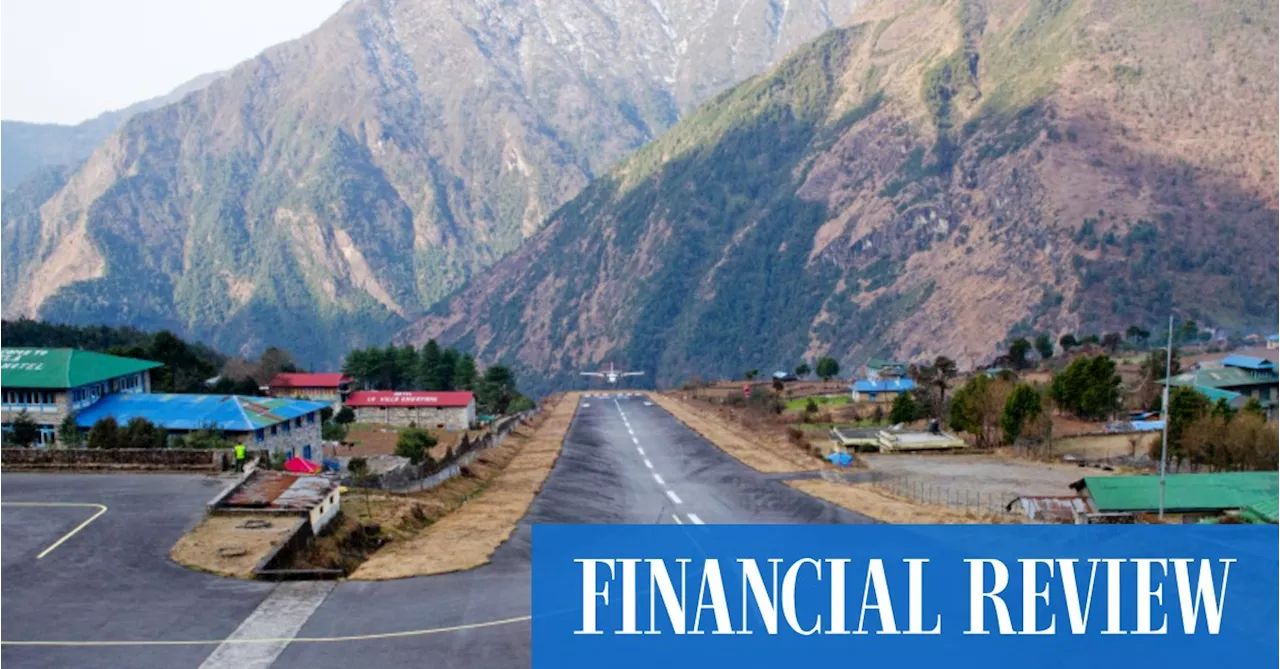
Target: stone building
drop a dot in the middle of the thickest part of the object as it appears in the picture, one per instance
(277, 425)
(322, 387)
(49, 383)
(441, 410)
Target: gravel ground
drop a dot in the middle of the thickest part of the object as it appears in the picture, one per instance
(982, 474)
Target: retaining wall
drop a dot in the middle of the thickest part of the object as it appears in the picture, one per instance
(429, 475)
(116, 459)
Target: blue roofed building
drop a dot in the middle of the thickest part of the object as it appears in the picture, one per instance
(1236, 379)
(880, 390)
(1273, 342)
(274, 424)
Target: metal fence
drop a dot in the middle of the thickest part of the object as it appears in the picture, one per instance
(977, 502)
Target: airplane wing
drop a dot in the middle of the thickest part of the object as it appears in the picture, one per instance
(591, 373)
(631, 374)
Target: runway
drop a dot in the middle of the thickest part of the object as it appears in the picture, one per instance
(622, 462)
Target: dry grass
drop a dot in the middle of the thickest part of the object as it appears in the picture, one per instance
(482, 510)
(198, 549)
(767, 453)
(877, 504)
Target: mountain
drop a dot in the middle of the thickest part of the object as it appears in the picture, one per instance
(324, 194)
(33, 147)
(931, 179)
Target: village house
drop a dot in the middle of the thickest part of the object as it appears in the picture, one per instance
(886, 369)
(880, 390)
(1235, 378)
(49, 383)
(277, 425)
(331, 387)
(443, 410)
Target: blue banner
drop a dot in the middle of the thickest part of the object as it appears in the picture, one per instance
(670, 596)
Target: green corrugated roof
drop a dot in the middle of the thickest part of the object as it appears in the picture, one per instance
(1183, 492)
(63, 367)
(1222, 377)
(1263, 511)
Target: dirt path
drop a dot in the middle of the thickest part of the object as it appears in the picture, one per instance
(760, 452)
(468, 536)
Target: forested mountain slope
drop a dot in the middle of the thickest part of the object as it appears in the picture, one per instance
(926, 181)
(323, 194)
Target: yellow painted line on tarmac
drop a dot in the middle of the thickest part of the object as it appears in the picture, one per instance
(102, 508)
(313, 639)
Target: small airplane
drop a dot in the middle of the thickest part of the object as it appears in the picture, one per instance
(611, 375)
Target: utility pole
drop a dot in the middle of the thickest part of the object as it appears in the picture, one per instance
(1164, 409)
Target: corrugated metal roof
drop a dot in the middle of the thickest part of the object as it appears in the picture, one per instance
(883, 385)
(1050, 508)
(1248, 362)
(317, 380)
(1263, 511)
(1183, 492)
(279, 490)
(1223, 377)
(63, 368)
(172, 411)
(396, 398)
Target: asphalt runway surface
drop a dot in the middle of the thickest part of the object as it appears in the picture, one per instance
(622, 462)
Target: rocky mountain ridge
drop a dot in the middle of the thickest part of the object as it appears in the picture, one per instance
(932, 179)
(324, 194)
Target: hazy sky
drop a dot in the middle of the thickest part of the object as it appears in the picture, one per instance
(65, 61)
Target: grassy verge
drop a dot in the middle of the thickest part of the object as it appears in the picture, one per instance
(763, 451)
(478, 519)
(821, 400)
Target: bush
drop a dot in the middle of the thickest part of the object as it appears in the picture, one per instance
(142, 433)
(413, 443)
(904, 409)
(333, 432)
(25, 431)
(206, 437)
(344, 416)
(69, 434)
(105, 434)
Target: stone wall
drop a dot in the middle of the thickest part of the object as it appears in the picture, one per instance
(124, 458)
(280, 442)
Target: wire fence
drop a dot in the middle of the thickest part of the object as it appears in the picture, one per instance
(977, 502)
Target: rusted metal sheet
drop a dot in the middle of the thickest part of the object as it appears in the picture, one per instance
(1050, 508)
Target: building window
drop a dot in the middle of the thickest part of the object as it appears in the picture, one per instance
(273, 430)
(311, 418)
(285, 427)
(297, 422)
(259, 435)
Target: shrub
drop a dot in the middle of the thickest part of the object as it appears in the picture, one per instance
(142, 433)
(344, 416)
(25, 431)
(413, 443)
(105, 434)
(69, 434)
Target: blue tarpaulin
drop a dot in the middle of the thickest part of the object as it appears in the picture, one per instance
(842, 459)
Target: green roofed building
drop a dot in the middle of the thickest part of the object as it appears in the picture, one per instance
(49, 383)
(1188, 497)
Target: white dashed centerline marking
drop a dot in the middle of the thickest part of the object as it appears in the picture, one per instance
(677, 519)
(674, 498)
(658, 478)
(639, 450)
(648, 464)
(695, 519)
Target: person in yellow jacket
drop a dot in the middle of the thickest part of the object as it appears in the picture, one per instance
(239, 458)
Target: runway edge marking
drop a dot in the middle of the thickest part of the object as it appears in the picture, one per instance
(102, 508)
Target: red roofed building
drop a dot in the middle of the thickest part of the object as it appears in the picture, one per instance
(444, 410)
(326, 387)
